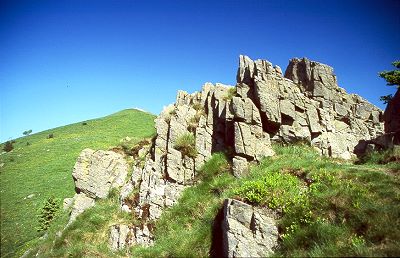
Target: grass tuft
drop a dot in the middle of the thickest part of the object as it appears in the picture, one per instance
(186, 144)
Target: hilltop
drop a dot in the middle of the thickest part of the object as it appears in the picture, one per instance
(40, 167)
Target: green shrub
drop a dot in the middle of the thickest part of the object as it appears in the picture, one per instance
(48, 212)
(186, 144)
(8, 146)
(50, 136)
(275, 190)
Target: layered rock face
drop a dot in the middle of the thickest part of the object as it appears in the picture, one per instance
(307, 104)
(95, 174)
(217, 122)
(248, 231)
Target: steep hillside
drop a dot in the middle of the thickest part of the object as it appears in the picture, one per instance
(40, 167)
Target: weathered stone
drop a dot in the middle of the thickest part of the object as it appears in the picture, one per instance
(251, 142)
(81, 202)
(307, 104)
(67, 203)
(248, 231)
(96, 172)
(340, 109)
(243, 109)
(121, 236)
(287, 108)
(143, 236)
(240, 166)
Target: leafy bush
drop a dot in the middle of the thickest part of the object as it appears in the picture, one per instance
(275, 190)
(50, 136)
(186, 145)
(48, 212)
(8, 146)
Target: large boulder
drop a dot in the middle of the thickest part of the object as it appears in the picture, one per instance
(248, 231)
(96, 172)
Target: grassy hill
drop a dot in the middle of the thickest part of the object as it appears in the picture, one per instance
(40, 167)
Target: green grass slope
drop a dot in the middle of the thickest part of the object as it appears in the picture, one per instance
(328, 208)
(41, 167)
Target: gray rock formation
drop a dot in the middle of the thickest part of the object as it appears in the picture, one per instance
(95, 174)
(391, 138)
(79, 204)
(307, 104)
(167, 172)
(248, 231)
(304, 105)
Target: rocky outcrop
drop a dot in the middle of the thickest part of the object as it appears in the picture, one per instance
(215, 124)
(307, 104)
(392, 117)
(304, 105)
(95, 174)
(248, 231)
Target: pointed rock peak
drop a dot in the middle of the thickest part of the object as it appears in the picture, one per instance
(246, 70)
(311, 76)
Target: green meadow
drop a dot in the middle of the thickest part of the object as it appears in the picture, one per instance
(40, 167)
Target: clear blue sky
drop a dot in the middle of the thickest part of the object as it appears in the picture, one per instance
(67, 61)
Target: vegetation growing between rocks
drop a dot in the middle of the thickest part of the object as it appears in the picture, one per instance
(186, 144)
(382, 157)
(231, 93)
(88, 235)
(185, 230)
(337, 209)
(346, 208)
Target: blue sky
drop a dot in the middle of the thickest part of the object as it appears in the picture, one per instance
(67, 61)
